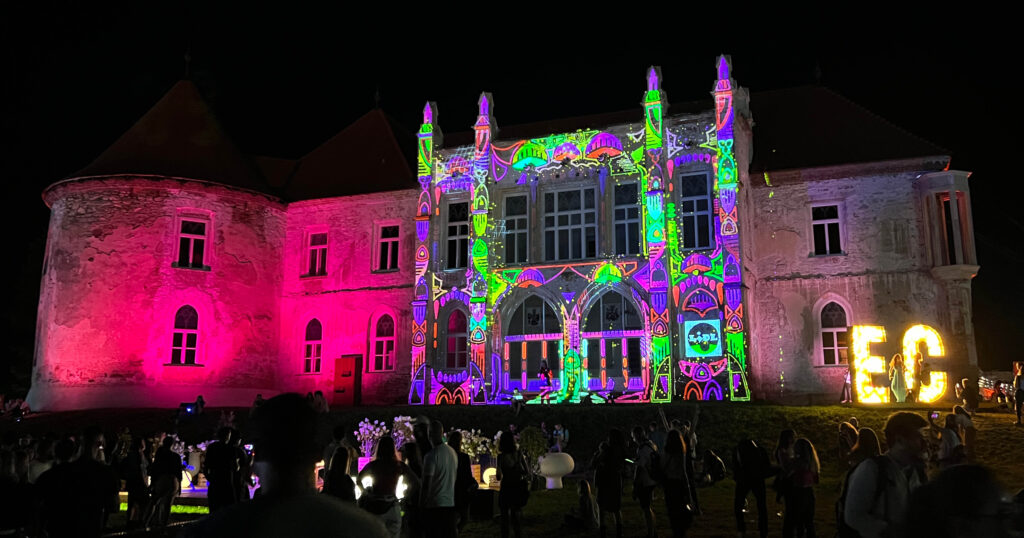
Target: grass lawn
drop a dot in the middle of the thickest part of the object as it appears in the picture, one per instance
(720, 426)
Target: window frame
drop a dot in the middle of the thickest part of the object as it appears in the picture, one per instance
(203, 217)
(312, 354)
(525, 218)
(378, 246)
(308, 248)
(448, 238)
(376, 338)
(457, 351)
(708, 214)
(184, 348)
(627, 221)
(582, 226)
(818, 359)
(838, 220)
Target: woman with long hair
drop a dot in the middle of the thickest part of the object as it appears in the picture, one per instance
(802, 475)
(338, 483)
(847, 438)
(384, 482)
(783, 457)
(515, 484)
(897, 382)
(867, 446)
(676, 484)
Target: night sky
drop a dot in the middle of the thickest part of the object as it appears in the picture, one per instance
(282, 83)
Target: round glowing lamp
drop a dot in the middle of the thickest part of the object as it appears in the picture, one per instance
(490, 475)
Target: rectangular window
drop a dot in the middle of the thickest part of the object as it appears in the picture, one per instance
(627, 220)
(316, 254)
(570, 225)
(834, 346)
(387, 248)
(695, 212)
(192, 244)
(183, 346)
(458, 236)
(312, 360)
(825, 224)
(516, 229)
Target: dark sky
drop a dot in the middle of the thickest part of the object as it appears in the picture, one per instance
(282, 82)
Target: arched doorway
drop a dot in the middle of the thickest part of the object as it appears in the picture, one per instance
(613, 332)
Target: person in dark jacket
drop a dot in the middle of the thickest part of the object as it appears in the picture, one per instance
(134, 469)
(465, 484)
(221, 468)
(750, 465)
(165, 477)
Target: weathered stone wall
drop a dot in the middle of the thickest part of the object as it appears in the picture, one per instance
(882, 277)
(109, 295)
(350, 298)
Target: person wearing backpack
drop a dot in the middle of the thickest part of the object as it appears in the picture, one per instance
(643, 475)
(750, 467)
(876, 495)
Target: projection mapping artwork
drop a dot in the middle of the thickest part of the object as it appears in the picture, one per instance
(519, 297)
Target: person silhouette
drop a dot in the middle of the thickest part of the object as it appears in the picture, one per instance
(286, 454)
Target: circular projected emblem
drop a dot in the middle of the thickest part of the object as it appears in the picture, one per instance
(702, 338)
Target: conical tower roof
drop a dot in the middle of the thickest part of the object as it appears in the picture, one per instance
(178, 137)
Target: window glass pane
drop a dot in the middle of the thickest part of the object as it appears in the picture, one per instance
(843, 355)
(833, 238)
(382, 262)
(184, 249)
(533, 358)
(819, 239)
(620, 239)
(186, 318)
(190, 356)
(588, 197)
(833, 316)
(625, 194)
(689, 232)
(515, 205)
(825, 212)
(318, 239)
(613, 354)
(591, 237)
(594, 358)
(314, 330)
(175, 356)
(389, 231)
(827, 339)
(549, 245)
(830, 356)
(841, 339)
(553, 346)
(515, 356)
(177, 339)
(458, 212)
(192, 227)
(633, 354)
(549, 202)
(703, 232)
(385, 326)
(693, 185)
(197, 253)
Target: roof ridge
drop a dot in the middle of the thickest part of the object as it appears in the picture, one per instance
(888, 122)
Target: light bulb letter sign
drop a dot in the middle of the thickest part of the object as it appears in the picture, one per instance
(867, 366)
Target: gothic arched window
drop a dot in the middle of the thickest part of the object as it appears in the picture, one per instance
(383, 344)
(313, 348)
(834, 334)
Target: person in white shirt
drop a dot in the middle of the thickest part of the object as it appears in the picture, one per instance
(437, 494)
(873, 509)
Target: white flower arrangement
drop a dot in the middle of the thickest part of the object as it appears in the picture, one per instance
(476, 444)
(401, 430)
(369, 433)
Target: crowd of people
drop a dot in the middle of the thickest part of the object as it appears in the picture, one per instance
(69, 485)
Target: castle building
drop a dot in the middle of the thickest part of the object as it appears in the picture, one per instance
(674, 251)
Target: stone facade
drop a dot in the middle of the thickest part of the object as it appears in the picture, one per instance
(111, 290)
(642, 258)
(885, 274)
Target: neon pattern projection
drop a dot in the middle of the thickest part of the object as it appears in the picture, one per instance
(699, 294)
(866, 366)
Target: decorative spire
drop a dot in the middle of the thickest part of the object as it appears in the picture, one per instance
(485, 104)
(724, 66)
(428, 113)
(653, 78)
